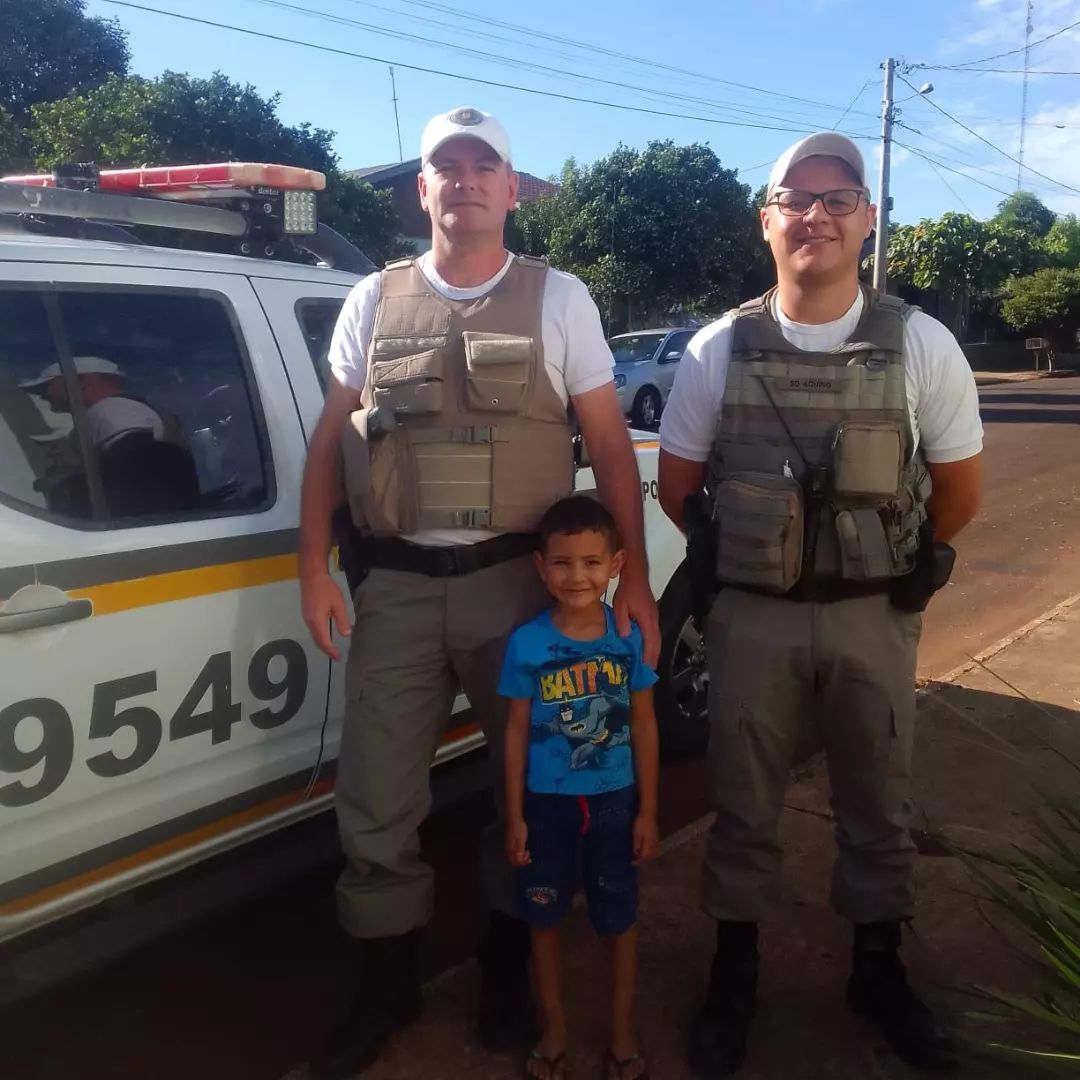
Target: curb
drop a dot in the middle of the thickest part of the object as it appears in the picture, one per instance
(933, 685)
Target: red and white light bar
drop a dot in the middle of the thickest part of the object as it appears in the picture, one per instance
(195, 181)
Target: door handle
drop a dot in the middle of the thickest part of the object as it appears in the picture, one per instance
(49, 616)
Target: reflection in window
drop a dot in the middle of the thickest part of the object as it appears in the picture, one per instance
(163, 407)
(317, 321)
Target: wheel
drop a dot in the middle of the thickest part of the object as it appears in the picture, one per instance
(682, 692)
(646, 409)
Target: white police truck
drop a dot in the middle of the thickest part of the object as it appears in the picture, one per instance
(160, 698)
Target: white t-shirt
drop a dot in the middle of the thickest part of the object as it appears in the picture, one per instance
(576, 354)
(943, 403)
(113, 416)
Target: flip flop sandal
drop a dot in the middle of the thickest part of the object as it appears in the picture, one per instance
(620, 1065)
(556, 1066)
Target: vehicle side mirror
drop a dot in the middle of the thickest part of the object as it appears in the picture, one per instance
(675, 354)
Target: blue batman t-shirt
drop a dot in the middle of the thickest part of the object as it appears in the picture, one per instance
(579, 731)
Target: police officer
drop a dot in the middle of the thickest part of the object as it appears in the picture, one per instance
(836, 436)
(453, 376)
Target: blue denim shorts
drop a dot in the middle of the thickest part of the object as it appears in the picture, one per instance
(580, 840)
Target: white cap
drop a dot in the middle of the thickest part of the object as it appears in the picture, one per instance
(84, 365)
(464, 121)
(823, 144)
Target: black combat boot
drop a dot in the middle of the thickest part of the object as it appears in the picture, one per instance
(878, 989)
(504, 1015)
(388, 998)
(718, 1040)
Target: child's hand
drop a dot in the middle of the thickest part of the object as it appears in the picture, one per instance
(517, 833)
(646, 838)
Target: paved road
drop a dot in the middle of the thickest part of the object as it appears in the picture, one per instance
(246, 994)
(1021, 555)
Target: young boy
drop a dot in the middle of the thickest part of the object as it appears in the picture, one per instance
(582, 720)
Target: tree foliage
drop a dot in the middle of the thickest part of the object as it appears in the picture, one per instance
(178, 118)
(1047, 301)
(1062, 242)
(51, 48)
(652, 232)
(1026, 213)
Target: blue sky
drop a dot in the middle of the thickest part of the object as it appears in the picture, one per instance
(813, 57)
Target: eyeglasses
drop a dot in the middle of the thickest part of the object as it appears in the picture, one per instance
(838, 203)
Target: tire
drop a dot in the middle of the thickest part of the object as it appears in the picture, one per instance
(646, 409)
(682, 692)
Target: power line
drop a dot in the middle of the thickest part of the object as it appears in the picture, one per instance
(972, 131)
(1002, 55)
(968, 164)
(532, 33)
(862, 90)
(956, 194)
(281, 39)
(999, 71)
(517, 63)
(929, 158)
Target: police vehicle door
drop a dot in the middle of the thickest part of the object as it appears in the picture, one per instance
(160, 696)
(303, 314)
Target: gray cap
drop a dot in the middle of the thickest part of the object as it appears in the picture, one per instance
(821, 144)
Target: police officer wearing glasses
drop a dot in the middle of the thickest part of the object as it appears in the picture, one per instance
(824, 443)
(447, 422)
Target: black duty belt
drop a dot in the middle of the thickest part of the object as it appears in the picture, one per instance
(392, 553)
(829, 590)
(825, 590)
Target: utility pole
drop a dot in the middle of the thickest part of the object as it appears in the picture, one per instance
(611, 292)
(397, 123)
(1023, 106)
(881, 235)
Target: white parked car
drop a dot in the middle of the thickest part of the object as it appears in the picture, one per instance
(160, 698)
(645, 365)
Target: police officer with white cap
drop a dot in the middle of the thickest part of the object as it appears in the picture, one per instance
(447, 422)
(835, 435)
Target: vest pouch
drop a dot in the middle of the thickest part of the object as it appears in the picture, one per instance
(498, 367)
(380, 478)
(760, 519)
(866, 549)
(868, 461)
(409, 385)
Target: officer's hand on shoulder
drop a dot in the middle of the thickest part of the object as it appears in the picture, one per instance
(322, 602)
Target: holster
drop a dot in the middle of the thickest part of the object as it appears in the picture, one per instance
(350, 547)
(700, 558)
(934, 563)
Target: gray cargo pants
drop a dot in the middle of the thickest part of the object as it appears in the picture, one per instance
(844, 674)
(415, 640)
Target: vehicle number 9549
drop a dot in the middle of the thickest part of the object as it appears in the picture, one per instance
(110, 712)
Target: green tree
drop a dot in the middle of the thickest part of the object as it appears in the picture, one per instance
(178, 118)
(51, 48)
(961, 259)
(1047, 301)
(653, 233)
(1026, 213)
(14, 145)
(1062, 242)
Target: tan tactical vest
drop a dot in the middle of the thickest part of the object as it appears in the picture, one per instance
(460, 426)
(812, 466)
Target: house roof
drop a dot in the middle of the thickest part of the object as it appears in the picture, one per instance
(530, 187)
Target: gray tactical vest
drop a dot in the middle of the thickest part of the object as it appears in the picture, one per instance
(812, 473)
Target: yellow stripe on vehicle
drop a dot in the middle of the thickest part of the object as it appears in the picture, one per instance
(185, 584)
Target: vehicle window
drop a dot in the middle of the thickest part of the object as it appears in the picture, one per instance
(629, 348)
(317, 320)
(678, 342)
(164, 411)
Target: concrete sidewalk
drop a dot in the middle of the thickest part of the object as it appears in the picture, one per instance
(979, 748)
